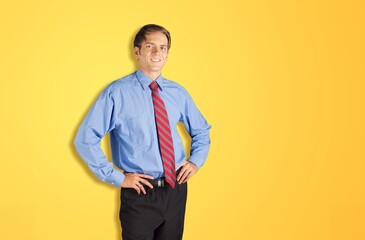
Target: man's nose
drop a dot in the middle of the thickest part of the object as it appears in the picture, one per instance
(155, 50)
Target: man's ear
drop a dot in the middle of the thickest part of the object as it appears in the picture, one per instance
(136, 52)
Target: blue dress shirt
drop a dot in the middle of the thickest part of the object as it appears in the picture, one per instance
(125, 109)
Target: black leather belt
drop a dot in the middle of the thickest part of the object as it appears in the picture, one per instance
(160, 182)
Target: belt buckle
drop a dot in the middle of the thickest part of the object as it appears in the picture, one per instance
(160, 183)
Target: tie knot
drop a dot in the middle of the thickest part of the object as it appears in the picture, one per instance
(154, 86)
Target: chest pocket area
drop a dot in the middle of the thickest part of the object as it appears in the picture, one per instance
(140, 129)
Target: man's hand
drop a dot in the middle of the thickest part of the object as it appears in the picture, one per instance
(188, 169)
(135, 180)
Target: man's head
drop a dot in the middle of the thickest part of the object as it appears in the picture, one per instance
(147, 29)
(151, 47)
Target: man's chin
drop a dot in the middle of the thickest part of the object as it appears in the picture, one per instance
(156, 69)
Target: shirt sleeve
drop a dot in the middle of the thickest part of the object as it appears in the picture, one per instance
(98, 122)
(198, 129)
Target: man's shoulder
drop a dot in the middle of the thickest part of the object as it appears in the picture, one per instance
(121, 83)
(172, 84)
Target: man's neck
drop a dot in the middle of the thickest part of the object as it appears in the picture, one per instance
(152, 75)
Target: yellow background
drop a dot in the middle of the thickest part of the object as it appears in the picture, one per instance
(282, 83)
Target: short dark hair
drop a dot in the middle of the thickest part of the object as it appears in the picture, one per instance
(146, 29)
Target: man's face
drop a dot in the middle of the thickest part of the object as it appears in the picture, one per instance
(153, 53)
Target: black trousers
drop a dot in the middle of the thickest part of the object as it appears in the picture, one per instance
(157, 215)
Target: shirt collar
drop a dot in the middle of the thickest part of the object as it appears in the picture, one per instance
(145, 80)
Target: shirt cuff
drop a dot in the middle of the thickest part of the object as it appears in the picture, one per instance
(116, 178)
(196, 161)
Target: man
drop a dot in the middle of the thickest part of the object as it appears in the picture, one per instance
(141, 112)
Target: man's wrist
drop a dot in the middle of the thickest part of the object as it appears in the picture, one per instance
(116, 178)
(193, 164)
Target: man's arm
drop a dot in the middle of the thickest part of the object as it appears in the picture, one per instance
(98, 122)
(198, 128)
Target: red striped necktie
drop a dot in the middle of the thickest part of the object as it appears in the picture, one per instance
(164, 135)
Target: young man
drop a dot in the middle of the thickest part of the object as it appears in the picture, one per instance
(141, 112)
